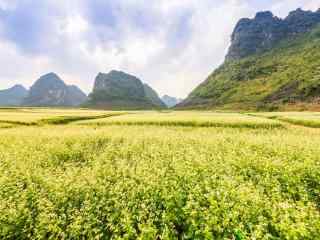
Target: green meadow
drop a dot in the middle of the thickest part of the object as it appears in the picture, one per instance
(86, 174)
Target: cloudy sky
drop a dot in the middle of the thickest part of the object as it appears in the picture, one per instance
(170, 44)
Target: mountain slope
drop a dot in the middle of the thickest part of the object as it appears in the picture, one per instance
(287, 76)
(50, 90)
(75, 96)
(13, 96)
(153, 96)
(119, 90)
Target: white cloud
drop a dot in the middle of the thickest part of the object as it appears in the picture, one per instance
(75, 25)
(210, 26)
(281, 8)
(173, 45)
(17, 68)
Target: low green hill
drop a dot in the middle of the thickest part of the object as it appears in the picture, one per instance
(286, 77)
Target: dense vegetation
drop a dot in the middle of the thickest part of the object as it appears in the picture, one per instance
(287, 77)
(146, 181)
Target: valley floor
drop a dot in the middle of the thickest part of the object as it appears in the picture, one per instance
(77, 174)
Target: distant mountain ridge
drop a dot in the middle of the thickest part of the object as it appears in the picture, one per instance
(51, 90)
(115, 90)
(13, 96)
(120, 90)
(171, 101)
(266, 68)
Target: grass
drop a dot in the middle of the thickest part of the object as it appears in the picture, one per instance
(40, 116)
(80, 181)
(307, 119)
(69, 119)
(6, 125)
(187, 119)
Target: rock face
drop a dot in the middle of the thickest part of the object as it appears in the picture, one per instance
(262, 33)
(119, 90)
(272, 64)
(13, 96)
(171, 101)
(75, 96)
(50, 90)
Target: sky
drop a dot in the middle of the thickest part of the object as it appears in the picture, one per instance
(172, 45)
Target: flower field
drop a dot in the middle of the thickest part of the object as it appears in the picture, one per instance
(157, 175)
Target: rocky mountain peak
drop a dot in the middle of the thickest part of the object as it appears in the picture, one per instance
(118, 79)
(266, 15)
(171, 101)
(50, 75)
(265, 30)
(51, 90)
(19, 87)
(117, 73)
(298, 13)
(300, 21)
(13, 96)
(118, 89)
(48, 81)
